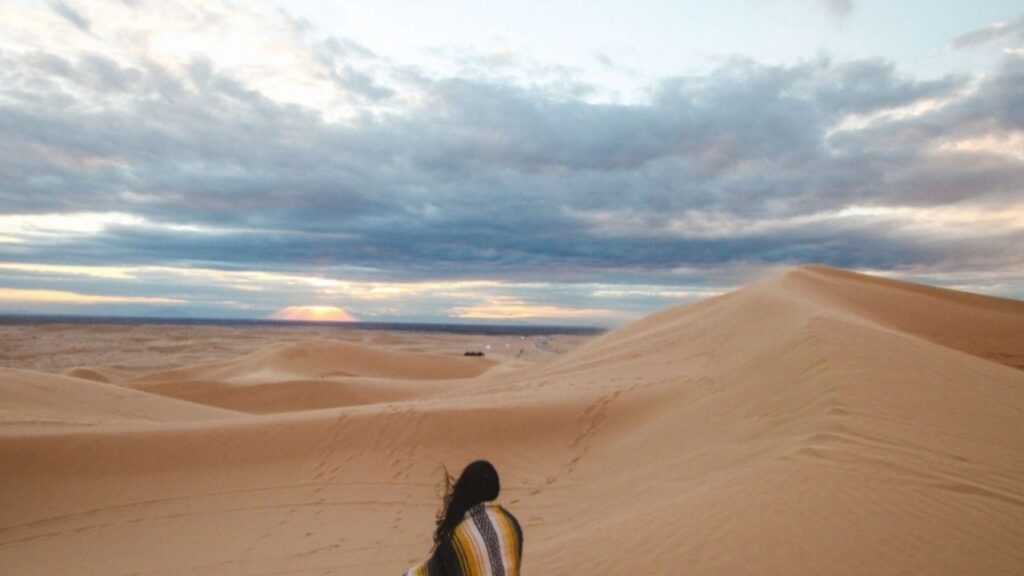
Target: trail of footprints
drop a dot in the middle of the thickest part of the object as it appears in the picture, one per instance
(325, 473)
(593, 416)
(402, 459)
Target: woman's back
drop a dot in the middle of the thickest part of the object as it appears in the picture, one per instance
(474, 536)
(487, 542)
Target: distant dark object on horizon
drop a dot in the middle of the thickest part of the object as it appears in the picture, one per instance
(473, 353)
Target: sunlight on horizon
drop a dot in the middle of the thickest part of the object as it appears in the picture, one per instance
(313, 314)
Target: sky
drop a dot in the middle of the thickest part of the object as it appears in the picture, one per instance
(559, 162)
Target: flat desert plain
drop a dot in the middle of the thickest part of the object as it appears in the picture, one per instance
(815, 422)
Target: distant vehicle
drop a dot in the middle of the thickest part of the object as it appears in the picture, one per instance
(473, 353)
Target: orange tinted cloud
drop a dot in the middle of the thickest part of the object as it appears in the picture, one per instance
(313, 314)
(32, 295)
(510, 309)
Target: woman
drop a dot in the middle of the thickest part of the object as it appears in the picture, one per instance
(474, 536)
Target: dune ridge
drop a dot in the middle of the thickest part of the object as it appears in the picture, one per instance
(309, 375)
(326, 358)
(818, 421)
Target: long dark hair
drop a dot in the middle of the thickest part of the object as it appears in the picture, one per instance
(477, 483)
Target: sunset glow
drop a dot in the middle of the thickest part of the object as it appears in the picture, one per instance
(512, 309)
(313, 314)
(20, 295)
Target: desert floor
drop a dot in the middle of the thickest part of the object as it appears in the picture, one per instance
(816, 422)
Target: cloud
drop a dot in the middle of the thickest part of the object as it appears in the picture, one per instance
(71, 15)
(67, 297)
(840, 8)
(516, 309)
(297, 153)
(1011, 32)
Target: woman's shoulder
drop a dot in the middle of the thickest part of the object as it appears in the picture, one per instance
(490, 513)
(487, 508)
(511, 519)
(503, 510)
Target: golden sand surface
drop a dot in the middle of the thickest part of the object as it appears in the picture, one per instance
(815, 422)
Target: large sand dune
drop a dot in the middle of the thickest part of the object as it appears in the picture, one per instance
(817, 422)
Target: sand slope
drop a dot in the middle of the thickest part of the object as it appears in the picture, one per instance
(290, 395)
(309, 375)
(325, 358)
(814, 422)
(33, 402)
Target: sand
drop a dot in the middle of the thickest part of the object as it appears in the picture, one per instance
(815, 422)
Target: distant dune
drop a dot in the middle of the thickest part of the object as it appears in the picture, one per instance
(815, 422)
(33, 401)
(309, 375)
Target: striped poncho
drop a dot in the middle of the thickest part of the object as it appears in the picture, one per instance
(488, 542)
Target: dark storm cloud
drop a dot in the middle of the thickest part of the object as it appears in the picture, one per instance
(906, 176)
(998, 104)
(485, 177)
(866, 85)
(544, 255)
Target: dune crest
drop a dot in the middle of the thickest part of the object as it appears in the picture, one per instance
(328, 358)
(818, 421)
(309, 375)
(984, 326)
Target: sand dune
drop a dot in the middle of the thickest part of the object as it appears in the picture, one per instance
(980, 325)
(814, 422)
(33, 401)
(309, 375)
(105, 374)
(289, 395)
(324, 359)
